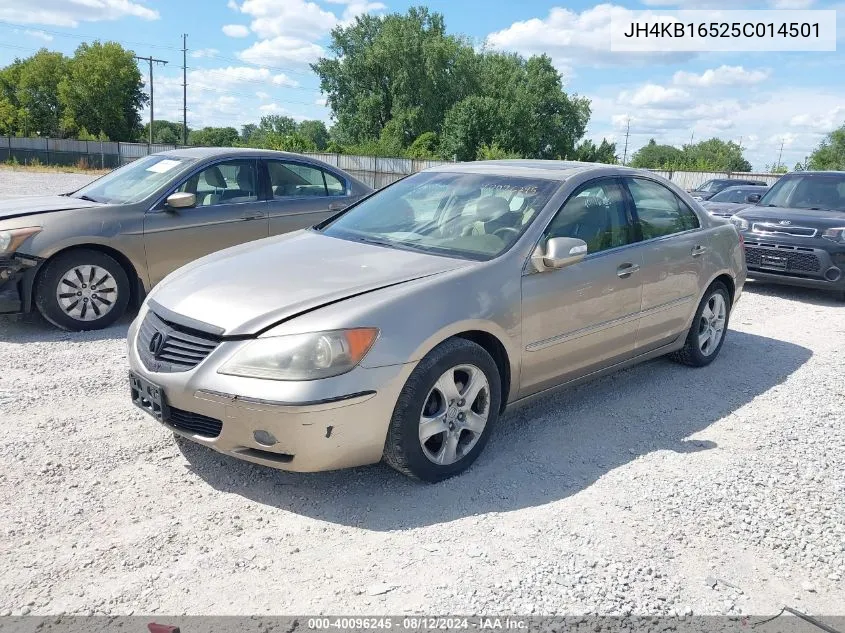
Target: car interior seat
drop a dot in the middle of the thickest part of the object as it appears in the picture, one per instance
(213, 178)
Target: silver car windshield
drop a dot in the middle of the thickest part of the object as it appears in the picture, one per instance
(475, 216)
(133, 182)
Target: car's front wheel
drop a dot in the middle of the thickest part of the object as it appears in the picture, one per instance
(445, 413)
(709, 328)
(82, 289)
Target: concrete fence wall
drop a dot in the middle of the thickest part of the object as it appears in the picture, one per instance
(374, 170)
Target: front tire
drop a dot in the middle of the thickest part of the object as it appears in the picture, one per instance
(445, 413)
(708, 330)
(82, 289)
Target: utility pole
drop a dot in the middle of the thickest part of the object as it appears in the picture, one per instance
(184, 88)
(781, 152)
(627, 133)
(152, 101)
(692, 136)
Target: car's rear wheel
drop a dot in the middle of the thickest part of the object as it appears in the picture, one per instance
(709, 328)
(82, 289)
(445, 413)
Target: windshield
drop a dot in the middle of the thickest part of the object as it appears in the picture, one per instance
(807, 191)
(133, 182)
(710, 185)
(475, 216)
(732, 195)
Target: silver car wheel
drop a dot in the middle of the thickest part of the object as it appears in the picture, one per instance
(454, 414)
(711, 326)
(86, 293)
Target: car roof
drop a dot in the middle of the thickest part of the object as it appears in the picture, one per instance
(214, 152)
(745, 186)
(546, 169)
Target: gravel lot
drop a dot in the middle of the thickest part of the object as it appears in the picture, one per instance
(660, 489)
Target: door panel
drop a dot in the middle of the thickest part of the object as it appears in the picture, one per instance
(228, 212)
(579, 319)
(672, 262)
(583, 317)
(301, 195)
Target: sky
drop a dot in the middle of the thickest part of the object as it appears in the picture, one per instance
(248, 58)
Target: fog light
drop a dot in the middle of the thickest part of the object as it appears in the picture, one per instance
(832, 274)
(265, 438)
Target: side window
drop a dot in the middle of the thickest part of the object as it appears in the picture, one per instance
(229, 182)
(293, 180)
(334, 185)
(659, 211)
(595, 214)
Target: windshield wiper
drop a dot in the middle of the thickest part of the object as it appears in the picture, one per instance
(88, 198)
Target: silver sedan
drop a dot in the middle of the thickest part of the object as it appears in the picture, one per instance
(402, 328)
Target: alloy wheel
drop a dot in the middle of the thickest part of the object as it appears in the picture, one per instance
(711, 326)
(455, 414)
(86, 293)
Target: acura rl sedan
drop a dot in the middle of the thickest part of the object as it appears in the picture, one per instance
(401, 328)
(81, 258)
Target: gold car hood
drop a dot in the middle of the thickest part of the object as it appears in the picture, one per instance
(246, 289)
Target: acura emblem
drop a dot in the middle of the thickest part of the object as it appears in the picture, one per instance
(785, 222)
(156, 344)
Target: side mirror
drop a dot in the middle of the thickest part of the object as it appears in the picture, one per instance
(753, 198)
(564, 251)
(181, 200)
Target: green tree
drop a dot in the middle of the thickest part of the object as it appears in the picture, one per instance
(38, 91)
(494, 152)
(293, 142)
(102, 91)
(164, 131)
(654, 156)
(214, 137)
(830, 154)
(316, 132)
(588, 152)
(8, 117)
(424, 146)
(474, 122)
(715, 155)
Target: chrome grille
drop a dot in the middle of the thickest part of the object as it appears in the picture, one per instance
(177, 349)
(772, 228)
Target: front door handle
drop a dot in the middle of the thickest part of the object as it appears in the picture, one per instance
(626, 270)
(338, 206)
(253, 215)
(699, 249)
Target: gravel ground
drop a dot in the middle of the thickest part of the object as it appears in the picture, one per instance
(26, 182)
(658, 490)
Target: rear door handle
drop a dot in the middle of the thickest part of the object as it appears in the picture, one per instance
(699, 249)
(338, 206)
(626, 270)
(253, 215)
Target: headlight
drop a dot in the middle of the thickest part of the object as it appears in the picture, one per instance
(836, 235)
(302, 356)
(740, 223)
(11, 239)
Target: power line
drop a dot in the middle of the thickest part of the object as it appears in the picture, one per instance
(151, 60)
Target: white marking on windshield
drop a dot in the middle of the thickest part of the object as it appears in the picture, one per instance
(164, 166)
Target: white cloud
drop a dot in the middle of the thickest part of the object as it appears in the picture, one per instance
(223, 79)
(262, 95)
(721, 76)
(72, 12)
(39, 35)
(823, 123)
(320, 101)
(730, 4)
(292, 18)
(575, 39)
(204, 52)
(654, 95)
(235, 30)
(282, 50)
(233, 5)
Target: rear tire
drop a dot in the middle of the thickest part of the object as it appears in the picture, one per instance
(708, 330)
(446, 411)
(82, 289)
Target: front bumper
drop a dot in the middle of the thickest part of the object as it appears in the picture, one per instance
(317, 425)
(17, 273)
(795, 263)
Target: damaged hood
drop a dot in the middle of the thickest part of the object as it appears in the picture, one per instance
(33, 205)
(248, 288)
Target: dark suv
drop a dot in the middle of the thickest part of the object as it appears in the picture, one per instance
(712, 187)
(795, 234)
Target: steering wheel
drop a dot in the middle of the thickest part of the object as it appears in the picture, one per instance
(506, 229)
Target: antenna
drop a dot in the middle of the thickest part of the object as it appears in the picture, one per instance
(152, 101)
